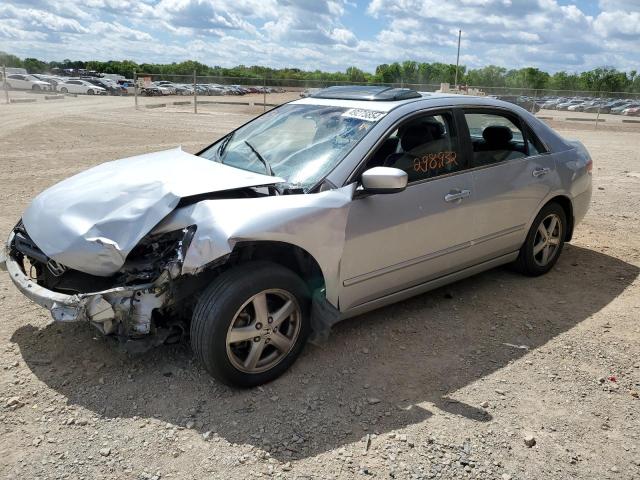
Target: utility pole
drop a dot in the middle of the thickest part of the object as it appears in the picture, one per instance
(458, 58)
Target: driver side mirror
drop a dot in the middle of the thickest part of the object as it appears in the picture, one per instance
(384, 180)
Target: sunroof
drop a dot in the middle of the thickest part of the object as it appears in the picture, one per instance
(366, 93)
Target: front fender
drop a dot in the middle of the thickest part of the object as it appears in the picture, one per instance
(314, 222)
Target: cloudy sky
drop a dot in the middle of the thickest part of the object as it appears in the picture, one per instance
(328, 34)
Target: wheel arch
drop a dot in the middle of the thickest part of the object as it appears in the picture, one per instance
(290, 256)
(567, 205)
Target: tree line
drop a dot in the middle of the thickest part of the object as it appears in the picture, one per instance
(601, 79)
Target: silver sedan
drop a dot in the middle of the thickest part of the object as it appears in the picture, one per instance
(319, 210)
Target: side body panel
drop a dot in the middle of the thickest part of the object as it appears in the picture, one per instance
(396, 241)
(508, 195)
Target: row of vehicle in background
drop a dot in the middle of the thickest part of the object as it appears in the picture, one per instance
(52, 83)
(593, 105)
(529, 104)
(18, 81)
(165, 87)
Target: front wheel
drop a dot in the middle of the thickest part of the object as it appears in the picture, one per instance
(544, 242)
(90, 92)
(251, 324)
(64, 90)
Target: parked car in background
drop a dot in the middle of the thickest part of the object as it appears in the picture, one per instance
(151, 91)
(621, 108)
(76, 85)
(602, 107)
(51, 80)
(273, 232)
(110, 86)
(521, 101)
(183, 89)
(552, 104)
(595, 106)
(632, 111)
(19, 81)
(581, 107)
(567, 104)
(166, 88)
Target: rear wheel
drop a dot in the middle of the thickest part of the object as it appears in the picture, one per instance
(90, 91)
(544, 242)
(251, 324)
(64, 90)
(35, 88)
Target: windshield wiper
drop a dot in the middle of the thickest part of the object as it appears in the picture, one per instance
(266, 164)
(223, 146)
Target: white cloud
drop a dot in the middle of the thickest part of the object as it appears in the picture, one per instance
(326, 34)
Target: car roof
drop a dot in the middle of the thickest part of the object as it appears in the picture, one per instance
(424, 100)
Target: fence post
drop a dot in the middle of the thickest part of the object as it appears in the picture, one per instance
(195, 94)
(535, 97)
(135, 87)
(598, 116)
(4, 82)
(264, 92)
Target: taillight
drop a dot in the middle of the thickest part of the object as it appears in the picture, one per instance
(590, 166)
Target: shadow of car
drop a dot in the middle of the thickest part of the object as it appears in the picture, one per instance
(379, 372)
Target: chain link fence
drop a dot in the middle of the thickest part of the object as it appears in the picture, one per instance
(206, 93)
(203, 94)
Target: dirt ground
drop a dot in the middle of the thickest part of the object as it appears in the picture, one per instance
(445, 385)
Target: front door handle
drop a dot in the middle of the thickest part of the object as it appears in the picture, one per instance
(454, 196)
(539, 172)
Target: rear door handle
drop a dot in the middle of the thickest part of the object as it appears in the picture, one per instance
(455, 196)
(539, 172)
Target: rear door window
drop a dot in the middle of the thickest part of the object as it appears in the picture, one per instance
(495, 138)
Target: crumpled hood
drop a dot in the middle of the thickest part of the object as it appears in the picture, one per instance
(91, 221)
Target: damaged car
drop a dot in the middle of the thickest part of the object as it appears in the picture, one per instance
(319, 210)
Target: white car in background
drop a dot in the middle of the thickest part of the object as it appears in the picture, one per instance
(80, 86)
(164, 88)
(26, 82)
(166, 85)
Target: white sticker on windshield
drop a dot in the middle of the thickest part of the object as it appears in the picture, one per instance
(362, 114)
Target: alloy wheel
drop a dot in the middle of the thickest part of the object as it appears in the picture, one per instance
(547, 240)
(263, 331)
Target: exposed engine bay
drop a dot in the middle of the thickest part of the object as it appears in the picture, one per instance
(123, 303)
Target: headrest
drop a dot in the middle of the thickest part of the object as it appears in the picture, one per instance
(497, 135)
(414, 136)
(436, 129)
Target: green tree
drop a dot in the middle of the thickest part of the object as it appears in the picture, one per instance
(33, 65)
(355, 75)
(489, 76)
(9, 60)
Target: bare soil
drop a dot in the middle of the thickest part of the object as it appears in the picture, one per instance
(450, 384)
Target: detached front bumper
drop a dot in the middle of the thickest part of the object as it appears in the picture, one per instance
(129, 305)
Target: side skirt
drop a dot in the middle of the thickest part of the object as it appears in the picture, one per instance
(425, 287)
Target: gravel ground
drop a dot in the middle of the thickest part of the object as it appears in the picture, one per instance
(495, 377)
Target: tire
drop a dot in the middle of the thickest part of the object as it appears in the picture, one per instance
(64, 90)
(90, 91)
(531, 260)
(226, 306)
(36, 88)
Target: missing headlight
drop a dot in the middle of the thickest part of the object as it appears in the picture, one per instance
(156, 254)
